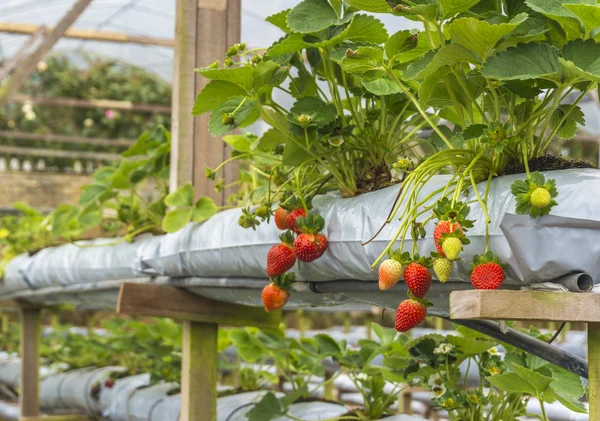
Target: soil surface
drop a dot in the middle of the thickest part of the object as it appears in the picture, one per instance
(548, 162)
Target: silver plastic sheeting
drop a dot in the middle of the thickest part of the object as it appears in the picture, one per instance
(9, 412)
(13, 278)
(221, 248)
(142, 402)
(115, 400)
(88, 261)
(10, 371)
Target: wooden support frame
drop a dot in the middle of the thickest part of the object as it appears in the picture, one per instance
(29, 64)
(539, 306)
(87, 34)
(29, 407)
(204, 30)
(56, 153)
(201, 319)
(20, 55)
(90, 103)
(78, 140)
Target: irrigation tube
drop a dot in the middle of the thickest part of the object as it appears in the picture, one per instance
(527, 343)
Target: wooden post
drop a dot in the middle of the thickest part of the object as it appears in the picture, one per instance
(404, 401)
(593, 347)
(199, 372)
(204, 29)
(19, 55)
(30, 363)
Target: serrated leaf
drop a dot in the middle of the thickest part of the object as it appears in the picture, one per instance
(214, 94)
(241, 75)
(268, 74)
(177, 219)
(474, 131)
(470, 346)
(568, 401)
(183, 196)
(294, 155)
(567, 128)
(585, 55)
(244, 113)
(447, 56)
(537, 380)
(480, 36)
(312, 16)
(385, 335)
(381, 86)
(366, 62)
(589, 14)
(239, 142)
(556, 10)
(566, 383)
(511, 382)
(374, 6)
(327, 345)
(526, 61)
(399, 42)
(322, 113)
(280, 20)
(270, 139)
(90, 193)
(452, 7)
(205, 208)
(267, 409)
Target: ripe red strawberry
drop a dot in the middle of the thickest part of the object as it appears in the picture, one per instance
(280, 259)
(291, 219)
(487, 276)
(418, 279)
(410, 313)
(109, 383)
(280, 217)
(444, 227)
(274, 297)
(390, 272)
(309, 247)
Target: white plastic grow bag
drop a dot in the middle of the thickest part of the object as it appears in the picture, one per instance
(114, 401)
(13, 277)
(220, 247)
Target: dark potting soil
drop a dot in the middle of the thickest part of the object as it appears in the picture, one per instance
(548, 162)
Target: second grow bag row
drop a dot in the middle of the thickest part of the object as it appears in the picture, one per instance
(220, 248)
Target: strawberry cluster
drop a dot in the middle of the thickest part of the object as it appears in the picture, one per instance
(303, 241)
(450, 236)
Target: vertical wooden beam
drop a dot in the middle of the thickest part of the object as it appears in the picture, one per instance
(30, 63)
(593, 347)
(30, 362)
(199, 372)
(204, 31)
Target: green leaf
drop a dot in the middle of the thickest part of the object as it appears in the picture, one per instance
(480, 36)
(268, 74)
(589, 14)
(214, 94)
(556, 10)
(446, 56)
(452, 7)
(91, 193)
(239, 142)
(140, 147)
(385, 334)
(585, 55)
(183, 196)
(374, 6)
(90, 217)
(322, 113)
(366, 62)
(566, 383)
(526, 61)
(204, 209)
(327, 345)
(241, 75)
(399, 42)
(567, 400)
(294, 155)
(267, 409)
(270, 139)
(511, 382)
(381, 86)
(176, 219)
(568, 127)
(537, 380)
(280, 20)
(470, 346)
(241, 109)
(312, 16)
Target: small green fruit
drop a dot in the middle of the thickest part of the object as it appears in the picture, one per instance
(442, 268)
(540, 197)
(451, 247)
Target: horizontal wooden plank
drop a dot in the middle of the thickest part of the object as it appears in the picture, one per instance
(525, 305)
(55, 153)
(59, 138)
(69, 417)
(178, 303)
(88, 34)
(90, 103)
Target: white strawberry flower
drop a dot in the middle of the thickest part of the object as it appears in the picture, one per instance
(443, 349)
(494, 351)
(435, 380)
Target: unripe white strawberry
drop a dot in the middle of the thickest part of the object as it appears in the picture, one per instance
(442, 268)
(540, 198)
(452, 246)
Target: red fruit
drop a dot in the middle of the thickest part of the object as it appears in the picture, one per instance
(109, 383)
(280, 259)
(274, 297)
(444, 227)
(309, 247)
(487, 276)
(291, 219)
(280, 217)
(418, 279)
(410, 313)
